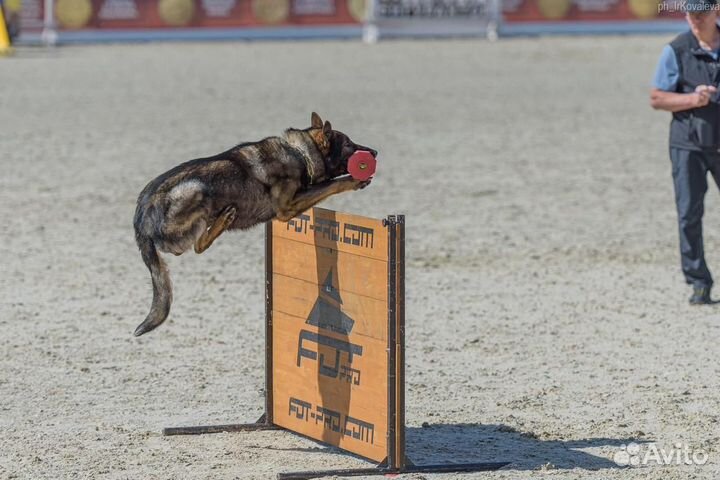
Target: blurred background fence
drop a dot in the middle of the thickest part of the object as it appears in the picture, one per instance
(68, 21)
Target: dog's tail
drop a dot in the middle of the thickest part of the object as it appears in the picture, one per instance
(162, 287)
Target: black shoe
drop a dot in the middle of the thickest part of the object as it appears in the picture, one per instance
(700, 296)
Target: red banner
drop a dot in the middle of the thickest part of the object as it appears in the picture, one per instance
(167, 14)
(586, 10)
(160, 14)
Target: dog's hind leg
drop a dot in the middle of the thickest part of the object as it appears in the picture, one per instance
(186, 218)
(221, 223)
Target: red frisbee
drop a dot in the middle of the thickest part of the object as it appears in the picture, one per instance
(361, 165)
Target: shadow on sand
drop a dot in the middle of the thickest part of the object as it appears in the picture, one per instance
(476, 443)
(470, 443)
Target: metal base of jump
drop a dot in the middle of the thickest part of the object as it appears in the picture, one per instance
(261, 424)
(381, 469)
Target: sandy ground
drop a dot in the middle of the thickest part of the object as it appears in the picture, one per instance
(547, 316)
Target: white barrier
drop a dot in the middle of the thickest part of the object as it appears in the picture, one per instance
(432, 18)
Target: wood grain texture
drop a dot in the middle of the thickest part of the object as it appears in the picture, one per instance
(367, 316)
(352, 273)
(356, 400)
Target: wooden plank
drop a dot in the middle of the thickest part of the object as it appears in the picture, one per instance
(339, 231)
(351, 273)
(330, 386)
(336, 310)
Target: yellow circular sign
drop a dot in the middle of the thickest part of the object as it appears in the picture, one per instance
(554, 9)
(176, 12)
(644, 8)
(73, 13)
(13, 5)
(358, 9)
(271, 11)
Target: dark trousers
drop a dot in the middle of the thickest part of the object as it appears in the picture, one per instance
(689, 171)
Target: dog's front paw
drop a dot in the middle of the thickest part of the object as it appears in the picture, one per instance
(360, 184)
(230, 215)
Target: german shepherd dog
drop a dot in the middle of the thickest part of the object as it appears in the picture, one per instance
(193, 203)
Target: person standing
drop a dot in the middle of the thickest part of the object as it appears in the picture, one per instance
(686, 84)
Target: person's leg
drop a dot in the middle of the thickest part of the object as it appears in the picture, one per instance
(713, 164)
(689, 171)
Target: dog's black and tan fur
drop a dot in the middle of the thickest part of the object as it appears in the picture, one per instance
(192, 204)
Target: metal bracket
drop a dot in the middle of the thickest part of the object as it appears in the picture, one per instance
(261, 424)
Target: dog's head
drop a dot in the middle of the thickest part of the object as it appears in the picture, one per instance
(335, 147)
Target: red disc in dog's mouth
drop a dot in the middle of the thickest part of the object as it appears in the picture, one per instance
(361, 165)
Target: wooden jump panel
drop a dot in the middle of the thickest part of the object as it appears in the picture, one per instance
(330, 330)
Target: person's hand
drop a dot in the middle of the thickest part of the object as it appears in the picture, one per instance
(702, 95)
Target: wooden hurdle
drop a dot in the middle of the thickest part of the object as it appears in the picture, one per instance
(335, 340)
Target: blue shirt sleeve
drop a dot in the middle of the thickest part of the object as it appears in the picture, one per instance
(667, 72)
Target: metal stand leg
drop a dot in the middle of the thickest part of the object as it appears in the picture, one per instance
(381, 470)
(261, 424)
(358, 472)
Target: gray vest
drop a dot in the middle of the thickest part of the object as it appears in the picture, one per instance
(698, 128)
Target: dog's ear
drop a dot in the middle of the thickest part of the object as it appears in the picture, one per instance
(316, 121)
(321, 134)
